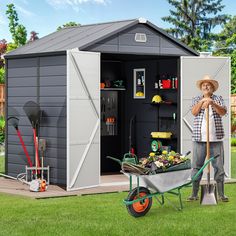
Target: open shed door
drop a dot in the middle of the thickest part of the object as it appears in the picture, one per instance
(193, 69)
(83, 122)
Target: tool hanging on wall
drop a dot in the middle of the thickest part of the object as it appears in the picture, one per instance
(33, 112)
(110, 123)
(131, 134)
(14, 121)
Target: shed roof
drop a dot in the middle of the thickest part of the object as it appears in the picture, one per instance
(83, 36)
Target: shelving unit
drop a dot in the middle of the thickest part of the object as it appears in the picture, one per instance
(167, 122)
(113, 89)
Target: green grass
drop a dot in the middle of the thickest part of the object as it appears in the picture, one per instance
(233, 162)
(2, 164)
(105, 214)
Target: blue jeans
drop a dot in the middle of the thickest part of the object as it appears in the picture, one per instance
(199, 155)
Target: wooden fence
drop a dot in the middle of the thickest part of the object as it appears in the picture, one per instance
(2, 99)
(233, 104)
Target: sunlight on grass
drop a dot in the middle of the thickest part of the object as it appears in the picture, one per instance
(2, 164)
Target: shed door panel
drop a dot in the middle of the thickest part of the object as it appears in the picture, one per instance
(83, 112)
(193, 69)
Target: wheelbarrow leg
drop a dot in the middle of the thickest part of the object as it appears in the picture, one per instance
(130, 183)
(180, 200)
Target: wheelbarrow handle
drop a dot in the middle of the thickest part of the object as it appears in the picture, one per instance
(203, 167)
(187, 153)
(216, 156)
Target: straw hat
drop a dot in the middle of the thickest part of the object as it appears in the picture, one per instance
(208, 78)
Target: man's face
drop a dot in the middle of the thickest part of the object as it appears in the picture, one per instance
(207, 88)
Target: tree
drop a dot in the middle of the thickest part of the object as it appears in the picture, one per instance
(194, 21)
(18, 31)
(226, 46)
(69, 24)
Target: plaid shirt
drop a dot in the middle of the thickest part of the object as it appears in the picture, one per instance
(199, 117)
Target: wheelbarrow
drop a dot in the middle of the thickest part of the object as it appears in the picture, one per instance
(139, 200)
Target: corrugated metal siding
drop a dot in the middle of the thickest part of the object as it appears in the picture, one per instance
(124, 42)
(41, 79)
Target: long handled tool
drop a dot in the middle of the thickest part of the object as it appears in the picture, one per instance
(32, 111)
(208, 191)
(131, 131)
(14, 121)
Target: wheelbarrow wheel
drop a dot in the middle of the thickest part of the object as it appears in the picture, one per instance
(142, 207)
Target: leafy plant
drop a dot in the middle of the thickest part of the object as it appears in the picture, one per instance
(18, 31)
(2, 75)
(69, 24)
(2, 129)
(225, 46)
(233, 141)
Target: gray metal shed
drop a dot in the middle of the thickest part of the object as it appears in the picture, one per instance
(63, 71)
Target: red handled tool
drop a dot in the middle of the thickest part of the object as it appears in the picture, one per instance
(14, 121)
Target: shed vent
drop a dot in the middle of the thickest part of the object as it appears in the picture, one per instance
(140, 37)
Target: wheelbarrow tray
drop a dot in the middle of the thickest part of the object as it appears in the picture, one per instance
(165, 181)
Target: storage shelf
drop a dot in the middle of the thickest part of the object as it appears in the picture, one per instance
(162, 103)
(175, 90)
(173, 138)
(113, 89)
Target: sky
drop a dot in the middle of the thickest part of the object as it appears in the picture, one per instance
(44, 16)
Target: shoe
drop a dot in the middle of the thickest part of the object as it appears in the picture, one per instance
(223, 198)
(192, 198)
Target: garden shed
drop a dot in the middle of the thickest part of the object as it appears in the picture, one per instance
(95, 84)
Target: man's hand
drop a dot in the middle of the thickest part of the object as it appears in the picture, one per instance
(206, 102)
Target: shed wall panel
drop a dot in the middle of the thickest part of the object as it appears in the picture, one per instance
(43, 80)
(22, 82)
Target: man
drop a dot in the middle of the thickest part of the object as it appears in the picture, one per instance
(217, 109)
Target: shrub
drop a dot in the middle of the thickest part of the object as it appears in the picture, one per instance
(2, 129)
(2, 75)
(233, 141)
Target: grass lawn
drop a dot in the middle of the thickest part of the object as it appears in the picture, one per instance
(105, 214)
(2, 164)
(233, 162)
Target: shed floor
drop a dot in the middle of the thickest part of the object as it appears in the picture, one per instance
(109, 184)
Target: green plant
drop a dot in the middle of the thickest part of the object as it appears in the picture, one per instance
(2, 164)
(18, 31)
(2, 75)
(233, 141)
(2, 129)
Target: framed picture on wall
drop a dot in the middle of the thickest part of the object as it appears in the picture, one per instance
(139, 83)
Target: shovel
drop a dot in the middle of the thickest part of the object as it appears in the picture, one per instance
(208, 191)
